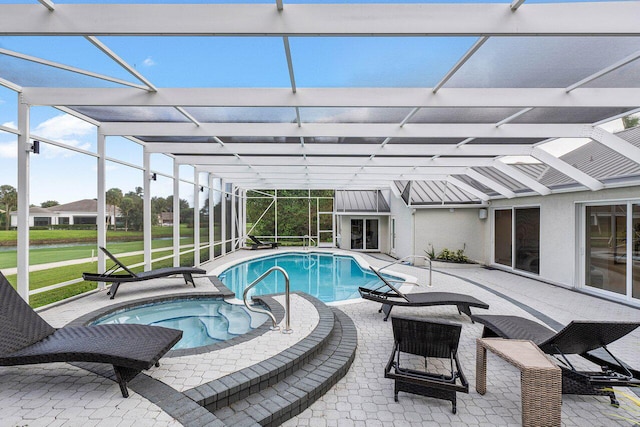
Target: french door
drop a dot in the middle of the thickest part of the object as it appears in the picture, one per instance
(364, 234)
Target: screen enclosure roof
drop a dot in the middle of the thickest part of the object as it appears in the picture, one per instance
(468, 101)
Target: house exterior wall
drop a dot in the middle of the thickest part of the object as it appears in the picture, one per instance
(458, 229)
(560, 233)
(404, 226)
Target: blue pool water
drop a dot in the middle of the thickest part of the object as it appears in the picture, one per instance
(327, 277)
(203, 321)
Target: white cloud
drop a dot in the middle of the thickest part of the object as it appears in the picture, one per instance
(149, 62)
(8, 150)
(67, 130)
(64, 126)
(10, 125)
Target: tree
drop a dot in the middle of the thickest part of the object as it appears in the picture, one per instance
(49, 203)
(113, 198)
(9, 200)
(630, 121)
(127, 206)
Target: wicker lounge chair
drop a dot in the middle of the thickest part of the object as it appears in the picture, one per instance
(585, 338)
(116, 279)
(259, 244)
(26, 338)
(428, 339)
(393, 297)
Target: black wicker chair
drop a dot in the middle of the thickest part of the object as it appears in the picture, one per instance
(259, 244)
(116, 279)
(393, 297)
(588, 339)
(429, 339)
(26, 338)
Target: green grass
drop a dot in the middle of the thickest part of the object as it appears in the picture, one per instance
(37, 237)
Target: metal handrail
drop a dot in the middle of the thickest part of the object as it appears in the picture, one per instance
(398, 261)
(309, 239)
(274, 327)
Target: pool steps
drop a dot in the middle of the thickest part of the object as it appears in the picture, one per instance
(274, 390)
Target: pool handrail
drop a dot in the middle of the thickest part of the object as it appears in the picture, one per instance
(274, 327)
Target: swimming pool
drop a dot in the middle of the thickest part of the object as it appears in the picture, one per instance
(328, 277)
(204, 321)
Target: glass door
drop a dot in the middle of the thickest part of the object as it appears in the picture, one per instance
(365, 234)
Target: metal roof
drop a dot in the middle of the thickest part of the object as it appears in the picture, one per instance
(347, 96)
(360, 201)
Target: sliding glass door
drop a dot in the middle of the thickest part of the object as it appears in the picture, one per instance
(517, 238)
(612, 233)
(364, 234)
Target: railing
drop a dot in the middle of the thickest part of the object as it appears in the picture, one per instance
(306, 242)
(274, 327)
(398, 261)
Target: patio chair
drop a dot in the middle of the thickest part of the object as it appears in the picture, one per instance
(259, 244)
(393, 297)
(26, 338)
(116, 279)
(588, 339)
(428, 339)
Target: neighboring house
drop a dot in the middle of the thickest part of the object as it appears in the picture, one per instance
(165, 219)
(74, 213)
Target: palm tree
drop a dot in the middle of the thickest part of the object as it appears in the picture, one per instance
(113, 198)
(8, 198)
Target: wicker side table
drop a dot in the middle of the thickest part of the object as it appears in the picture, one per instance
(541, 379)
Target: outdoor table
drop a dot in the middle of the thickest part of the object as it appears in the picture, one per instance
(541, 379)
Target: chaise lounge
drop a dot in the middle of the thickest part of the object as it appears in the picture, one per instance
(259, 244)
(26, 338)
(394, 297)
(427, 339)
(588, 339)
(116, 279)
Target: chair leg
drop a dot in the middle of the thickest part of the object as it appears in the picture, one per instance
(123, 376)
(113, 290)
(386, 308)
(188, 278)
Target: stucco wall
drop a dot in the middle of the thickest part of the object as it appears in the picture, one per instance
(559, 232)
(404, 226)
(460, 229)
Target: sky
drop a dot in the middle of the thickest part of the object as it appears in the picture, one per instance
(234, 62)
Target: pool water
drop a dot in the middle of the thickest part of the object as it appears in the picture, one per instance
(327, 277)
(204, 321)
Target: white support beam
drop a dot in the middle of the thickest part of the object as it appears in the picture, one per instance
(573, 173)
(68, 68)
(513, 116)
(196, 217)
(111, 54)
(9, 130)
(521, 177)
(212, 162)
(335, 97)
(617, 144)
(10, 85)
(22, 252)
(469, 189)
(624, 61)
(343, 130)
(187, 115)
(287, 51)
(468, 54)
(101, 177)
(146, 208)
(239, 171)
(317, 149)
(48, 4)
(515, 5)
(567, 19)
(488, 182)
(176, 214)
